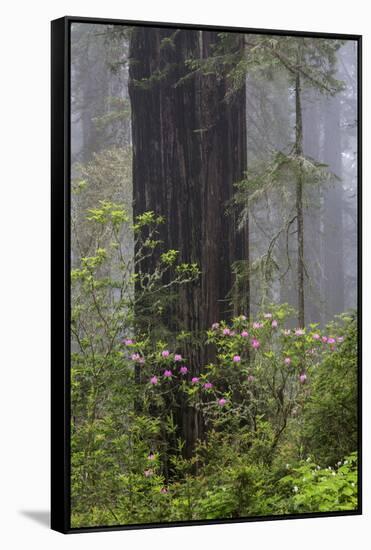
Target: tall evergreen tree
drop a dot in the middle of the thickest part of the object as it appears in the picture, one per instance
(189, 147)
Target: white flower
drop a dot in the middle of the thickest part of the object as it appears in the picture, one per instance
(345, 462)
(352, 484)
(295, 489)
(334, 473)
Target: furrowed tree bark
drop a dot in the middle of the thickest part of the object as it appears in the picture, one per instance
(166, 168)
(189, 147)
(223, 149)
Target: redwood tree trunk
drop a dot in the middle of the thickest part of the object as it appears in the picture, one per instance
(167, 167)
(224, 154)
(189, 147)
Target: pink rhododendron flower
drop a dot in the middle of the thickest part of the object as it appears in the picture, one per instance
(137, 358)
(287, 332)
(151, 456)
(324, 339)
(287, 361)
(244, 334)
(299, 332)
(226, 331)
(163, 490)
(128, 341)
(302, 378)
(316, 336)
(195, 380)
(148, 473)
(257, 325)
(222, 402)
(183, 370)
(255, 343)
(154, 380)
(274, 324)
(250, 378)
(165, 353)
(331, 341)
(177, 357)
(208, 385)
(268, 315)
(233, 333)
(215, 326)
(236, 359)
(168, 374)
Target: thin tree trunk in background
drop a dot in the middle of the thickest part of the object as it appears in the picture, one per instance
(312, 220)
(299, 203)
(94, 91)
(333, 212)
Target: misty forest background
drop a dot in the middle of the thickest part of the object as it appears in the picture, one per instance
(214, 274)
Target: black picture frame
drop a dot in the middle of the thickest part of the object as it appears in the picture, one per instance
(60, 271)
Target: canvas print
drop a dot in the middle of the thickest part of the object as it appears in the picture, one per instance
(214, 285)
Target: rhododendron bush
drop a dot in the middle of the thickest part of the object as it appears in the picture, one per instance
(272, 411)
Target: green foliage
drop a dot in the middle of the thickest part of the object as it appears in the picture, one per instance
(106, 392)
(108, 212)
(316, 489)
(262, 419)
(169, 257)
(313, 58)
(331, 411)
(276, 173)
(147, 219)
